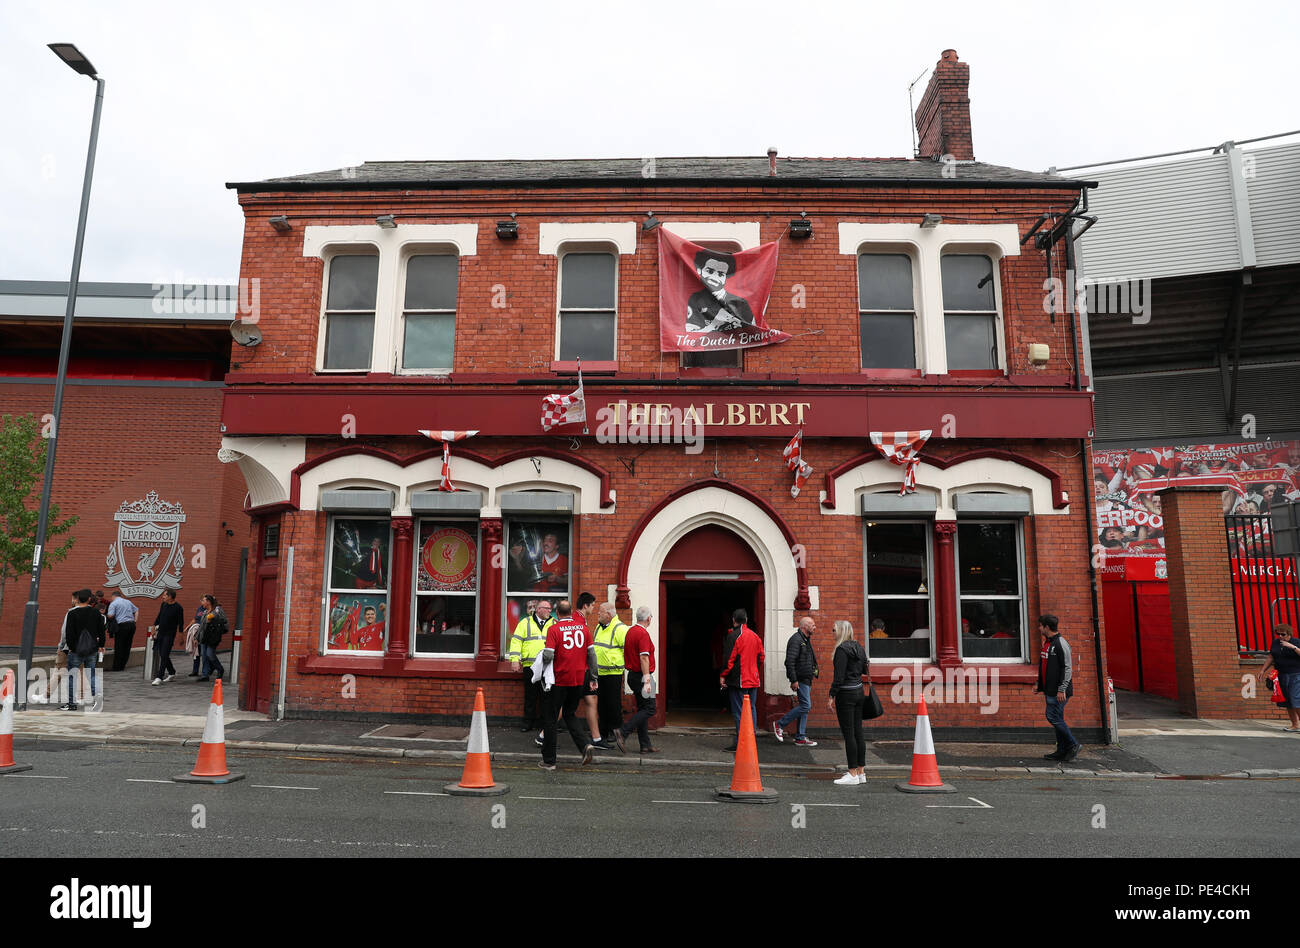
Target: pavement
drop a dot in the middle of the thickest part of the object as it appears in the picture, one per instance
(1155, 742)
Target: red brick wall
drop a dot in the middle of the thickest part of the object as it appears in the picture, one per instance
(117, 443)
(1210, 670)
(1056, 574)
(521, 338)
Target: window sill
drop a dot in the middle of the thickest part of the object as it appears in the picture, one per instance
(869, 374)
(588, 368)
(976, 373)
(393, 666)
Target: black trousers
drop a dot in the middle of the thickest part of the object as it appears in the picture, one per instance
(848, 708)
(562, 701)
(122, 646)
(532, 699)
(609, 703)
(163, 646)
(645, 710)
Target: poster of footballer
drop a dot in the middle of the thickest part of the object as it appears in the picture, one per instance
(356, 623)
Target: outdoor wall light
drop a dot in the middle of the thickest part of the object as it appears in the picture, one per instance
(651, 222)
(386, 221)
(931, 220)
(280, 222)
(508, 230)
(801, 227)
(73, 57)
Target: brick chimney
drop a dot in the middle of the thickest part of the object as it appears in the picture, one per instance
(943, 117)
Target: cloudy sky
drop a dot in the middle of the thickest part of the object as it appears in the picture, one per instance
(203, 93)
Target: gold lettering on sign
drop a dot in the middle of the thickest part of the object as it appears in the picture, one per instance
(692, 416)
(709, 419)
(756, 413)
(778, 412)
(800, 406)
(735, 413)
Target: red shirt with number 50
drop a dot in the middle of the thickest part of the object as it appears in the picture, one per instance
(570, 638)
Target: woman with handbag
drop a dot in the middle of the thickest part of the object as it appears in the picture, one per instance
(850, 692)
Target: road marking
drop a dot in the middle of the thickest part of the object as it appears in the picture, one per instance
(422, 793)
(831, 804)
(959, 806)
(141, 780)
(694, 802)
(568, 799)
(272, 786)
(41, 776)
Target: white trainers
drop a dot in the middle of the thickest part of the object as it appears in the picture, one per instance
(778, 733)
(167, 678)
(156, 681)
(848, 780)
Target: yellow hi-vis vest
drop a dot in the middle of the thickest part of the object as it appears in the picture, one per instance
(529, 640)
(609, 647)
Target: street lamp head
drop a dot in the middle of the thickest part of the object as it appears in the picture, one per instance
(72, 56)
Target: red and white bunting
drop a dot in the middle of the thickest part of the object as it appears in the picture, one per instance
(446, 436)
(902, 448)
(794, 461)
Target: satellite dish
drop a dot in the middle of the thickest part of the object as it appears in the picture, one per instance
(246, 334)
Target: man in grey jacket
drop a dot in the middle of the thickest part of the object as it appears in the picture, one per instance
(1055, 680)
(800, 669)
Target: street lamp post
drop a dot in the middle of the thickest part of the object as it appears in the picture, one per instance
(72, 56)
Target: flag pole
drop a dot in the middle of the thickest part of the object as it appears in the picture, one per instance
(583, 396)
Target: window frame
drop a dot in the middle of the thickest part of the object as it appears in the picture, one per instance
(1023, 597)
(330, 590)
(561, 253)
(507, 522)
(959, 249)
(399, 341)
(358, 249)
(927, 530)
(912, 252)
(413, 638)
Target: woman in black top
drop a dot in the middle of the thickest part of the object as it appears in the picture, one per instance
(848, 695)
(1285, 657)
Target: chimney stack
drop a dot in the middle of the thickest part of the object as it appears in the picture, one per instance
(943, 117)
(771, 162)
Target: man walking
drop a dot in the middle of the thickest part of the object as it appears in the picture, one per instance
(1055, 680)
(743, 672)
(640, 664)
(84, 637)
(610, 635)
(525, 645)
(171, 617)
(121, 619)
(800, 669)
(572, 656)
(586, 605)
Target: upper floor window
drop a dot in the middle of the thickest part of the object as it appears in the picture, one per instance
(970, 312)
(350, 310)
(886, 311)
(588, 307)
(429, 312)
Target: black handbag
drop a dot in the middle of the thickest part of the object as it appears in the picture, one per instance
(872, 708)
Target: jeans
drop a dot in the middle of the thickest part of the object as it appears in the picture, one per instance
(75, 664)
(609, 703)
(800, 710)
(1056, 717)
(645, 710)
(849, 703)
(163, 646)
(738, 705)
(211, 662)
(561, 700)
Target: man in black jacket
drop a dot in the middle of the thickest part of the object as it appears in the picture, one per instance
(800, 669)
(84, 638)
(170, 621)
(1055, 681)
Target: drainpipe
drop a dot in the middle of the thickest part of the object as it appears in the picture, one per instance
(1089, 519)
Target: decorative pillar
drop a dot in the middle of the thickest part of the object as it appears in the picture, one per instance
(946, 614)
(489, 639)
(399, 591)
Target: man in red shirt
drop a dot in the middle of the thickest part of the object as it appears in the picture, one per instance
(743, 672)
(639, 660)
(571, 652)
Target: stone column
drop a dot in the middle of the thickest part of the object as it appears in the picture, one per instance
(489, 608)
(399, 591)
(946, 614)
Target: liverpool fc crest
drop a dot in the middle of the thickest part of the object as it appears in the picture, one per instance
(147, 557)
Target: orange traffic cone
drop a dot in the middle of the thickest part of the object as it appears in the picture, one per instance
(7, 765)
(746, 782)
(925, 765)
(211, 766)
(476, 780)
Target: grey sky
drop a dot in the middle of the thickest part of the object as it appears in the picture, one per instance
(203, 93)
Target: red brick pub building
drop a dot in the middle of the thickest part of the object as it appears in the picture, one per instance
(400, 296)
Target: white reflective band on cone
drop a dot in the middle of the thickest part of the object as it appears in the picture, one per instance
(924, 742)
(7, 715)
(478, 738)
(213, 730)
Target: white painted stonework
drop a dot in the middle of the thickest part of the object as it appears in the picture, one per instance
(744, 233)
(552, 235)
(266, 464)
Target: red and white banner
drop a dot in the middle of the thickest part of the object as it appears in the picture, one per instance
(563, 409)
(711, 300)
(446, 436)
(794, 461)
(902, 448)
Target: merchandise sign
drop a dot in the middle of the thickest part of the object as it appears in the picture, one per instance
(148, 556)
(447, 560)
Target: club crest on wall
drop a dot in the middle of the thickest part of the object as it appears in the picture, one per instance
(147, 556)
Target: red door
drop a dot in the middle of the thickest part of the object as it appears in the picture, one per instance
(1156, 637)
(260, 688)
(1121, 634)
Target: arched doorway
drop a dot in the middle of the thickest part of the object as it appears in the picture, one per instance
(708, 574)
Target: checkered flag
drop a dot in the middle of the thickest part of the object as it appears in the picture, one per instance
(447, 436)
(902, 448)
(794, 461)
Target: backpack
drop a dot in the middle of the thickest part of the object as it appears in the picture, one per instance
(212, 632)
(87, 644)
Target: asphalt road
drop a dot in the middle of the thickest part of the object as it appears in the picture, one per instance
(329, 807)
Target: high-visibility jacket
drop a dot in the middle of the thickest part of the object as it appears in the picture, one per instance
(609, 647)
(529, 640)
